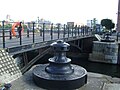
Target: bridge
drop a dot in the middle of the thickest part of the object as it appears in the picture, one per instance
(36, 38)
(37, 41)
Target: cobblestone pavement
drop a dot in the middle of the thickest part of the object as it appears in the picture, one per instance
(95, 82)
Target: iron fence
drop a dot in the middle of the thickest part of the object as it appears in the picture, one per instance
(45, 32)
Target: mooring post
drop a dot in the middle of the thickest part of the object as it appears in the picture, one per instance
(60, 64)
(59, 73)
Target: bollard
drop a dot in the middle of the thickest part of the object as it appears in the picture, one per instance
(59, 74)
(60, 64)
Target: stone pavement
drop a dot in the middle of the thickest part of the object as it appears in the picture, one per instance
(95, 82)
(9, 71)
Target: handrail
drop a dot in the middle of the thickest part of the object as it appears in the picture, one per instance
(51, 32)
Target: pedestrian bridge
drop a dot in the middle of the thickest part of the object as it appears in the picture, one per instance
(32, 39)
(34, 43)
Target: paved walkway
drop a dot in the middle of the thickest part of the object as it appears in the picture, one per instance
(95, 82)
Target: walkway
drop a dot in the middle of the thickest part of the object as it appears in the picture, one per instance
(95, 82)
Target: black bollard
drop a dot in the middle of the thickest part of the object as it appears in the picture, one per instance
(59, 74)
(60, 64)
(107, 38)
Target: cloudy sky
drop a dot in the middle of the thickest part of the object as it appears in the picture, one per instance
(61, 11)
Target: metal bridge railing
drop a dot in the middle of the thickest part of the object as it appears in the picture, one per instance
(46, 32)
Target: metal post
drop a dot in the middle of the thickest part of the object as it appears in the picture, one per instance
(83, 30)
(117, 36)
(3, 22)
(68, 30)
(58, 31)
(78, 29)
(99, 30)
(28, 30)
(51, 33)
(43, 31)
(33, 32)
(20, 33)
(72, 29)
(64, 31)
(87, 30)
(28, 33)
(10, 34)
(75, 29)
(39, 27)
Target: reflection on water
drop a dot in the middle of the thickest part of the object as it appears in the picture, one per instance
(97, 67)
(103, 68)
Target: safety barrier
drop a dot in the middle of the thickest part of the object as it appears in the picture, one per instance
(45, 32)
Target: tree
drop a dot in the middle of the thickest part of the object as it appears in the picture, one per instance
(107, 23)
(8, 26)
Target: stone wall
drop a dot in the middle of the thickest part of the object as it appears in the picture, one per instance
(104, 52)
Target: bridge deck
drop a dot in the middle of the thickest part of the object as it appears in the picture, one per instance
(30, 43)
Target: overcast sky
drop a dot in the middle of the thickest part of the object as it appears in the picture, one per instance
(61, 11)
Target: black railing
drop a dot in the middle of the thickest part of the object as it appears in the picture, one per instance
(45, 32)
(3, 33)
